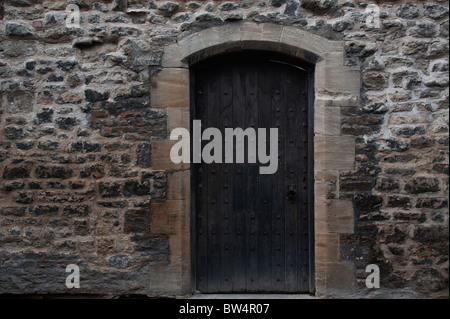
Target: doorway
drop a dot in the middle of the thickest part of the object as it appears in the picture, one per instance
(253, 232)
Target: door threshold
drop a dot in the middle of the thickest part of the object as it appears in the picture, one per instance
(199, 295)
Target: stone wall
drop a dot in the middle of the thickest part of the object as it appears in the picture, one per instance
(82, 126)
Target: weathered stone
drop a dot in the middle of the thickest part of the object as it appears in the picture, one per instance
(67, 65)
(96, 171)
(16, 29)
(443, 29)
(100, 7)
(359, 49)
(136, 188)
(375, 80)
(398, 201)
(388, 184)
(425, 29)
(18, 172)
(44, 210)
(377, 108)
(431, 234)
(109, 189)
(367, 203)
(228, 6)
(18, 48)
(76, 210)
(440, 67)
(428, 280)
(3, 156)
(277, 3)
(137, 221)
(408, 11)
(341, 25)
(438, 48)
(89, 147)
(421, 142)
(421, 185)
(19, 3)
(410, 216)
(94, 96)
(440, 81)
(119, 5)
(193, 5)
(66, 123)
(315, 5)
(55, 78)
(48, 145)
(30, 64)
(169, 7)
(209, 7)
(13, 211)
(121, 261)
(291, 8)
(410, 131)
(73, 80)
(81, 227)
(14, 132)
(144, 154)
(234, 16)
(435, 11)
(119, 17)
(87, 42)
(397, 62)
(69, 97)
(154, 246)
(24, 197)
(140, 54)
(394, 23)
(182, 16)
(8, 187)
(19, 102)
(53, 172)
(434, 203)
(208, 17)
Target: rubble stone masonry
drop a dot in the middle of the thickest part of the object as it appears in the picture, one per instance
(82, 127)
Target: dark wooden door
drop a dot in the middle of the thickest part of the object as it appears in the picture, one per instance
(252, 231)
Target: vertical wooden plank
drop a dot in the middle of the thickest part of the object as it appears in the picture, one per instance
(214, 242)
(291, 182)
(225, 178)
(278, 111)
(251, 190)
(303, 166)
(200, 191)
(310, 179)
(265, 97)
(239, 201)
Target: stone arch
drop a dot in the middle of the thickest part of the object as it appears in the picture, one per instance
(335, 86)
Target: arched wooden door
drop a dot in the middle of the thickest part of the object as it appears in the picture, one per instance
(252, 231)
